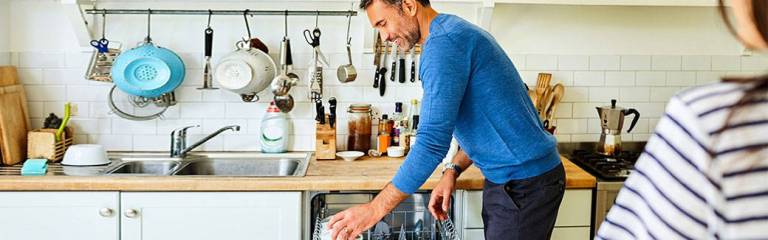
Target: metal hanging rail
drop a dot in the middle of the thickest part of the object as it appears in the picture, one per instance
(220, 12)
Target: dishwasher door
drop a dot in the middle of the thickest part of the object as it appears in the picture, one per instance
(412, 214)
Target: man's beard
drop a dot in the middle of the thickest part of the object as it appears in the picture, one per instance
(412, 35)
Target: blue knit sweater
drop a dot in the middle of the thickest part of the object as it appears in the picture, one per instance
(473, 92)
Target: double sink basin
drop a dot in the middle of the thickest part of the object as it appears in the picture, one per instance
(212, 164)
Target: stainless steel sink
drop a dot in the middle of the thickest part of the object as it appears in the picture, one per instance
(147, 167)
(242, 167)
(213, 164)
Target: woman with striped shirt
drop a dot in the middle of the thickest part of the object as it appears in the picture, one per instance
(704, 173)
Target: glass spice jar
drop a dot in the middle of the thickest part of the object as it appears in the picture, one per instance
(359, 125)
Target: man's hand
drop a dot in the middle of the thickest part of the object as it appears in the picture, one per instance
(349, 223)
(440, 200)
(353, 221)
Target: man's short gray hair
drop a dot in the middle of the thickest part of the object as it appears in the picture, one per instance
(365, 3)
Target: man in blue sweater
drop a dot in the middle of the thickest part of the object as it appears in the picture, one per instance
(472, 92)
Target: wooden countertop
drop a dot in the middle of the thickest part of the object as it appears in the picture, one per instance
(363, 174)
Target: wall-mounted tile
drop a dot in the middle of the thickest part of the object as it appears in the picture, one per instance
(189, 94)
(663, 94)
(641, 137)
(124, 126)
(307, 126)
(70, 76)
(372, 94)
(588, 78)
(406, 94)
(603, 94)
(91, 125)
(604, 63)
(635, 63)
(212, 125)
(302, 143)
(348, 94)
(194, 78)
(214, 144)
(634, 94)
(202, 110)
(576, 94)
(244, 110)
(77, 59)
(682, 79)
(192, 60)
(113, 142)
(650, 110)
(571, 126)
(754, 63)
(585, 137)
(242, 142)
(87, 93)
(5, 58)
(529, 77)
(563, 77)
(594, 126)
(562, 138)
(666, 63)
(541, 62)
(563, 110)
(30, 76)
(650, 79)
(640, 127)
(703, 78)
(518, 60)
(652, 122)
(303, 111)
(620, 79)
(696, 63)
(36, 110)
(726, 63)
(150, 143)
(166, 126)
(41, 60)
(45, 93)
(585, 110)
(572, 63)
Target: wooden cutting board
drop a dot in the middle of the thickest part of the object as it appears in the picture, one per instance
(14, 118)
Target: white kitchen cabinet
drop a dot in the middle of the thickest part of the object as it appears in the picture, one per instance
(59, 215)
(573, 218)
(210, 215)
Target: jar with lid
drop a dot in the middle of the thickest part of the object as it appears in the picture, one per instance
(359, 125)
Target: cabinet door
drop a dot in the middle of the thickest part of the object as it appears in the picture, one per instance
(575, 209)
(211, 215)
(59, 215)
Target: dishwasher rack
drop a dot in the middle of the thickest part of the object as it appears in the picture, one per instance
(411, 216)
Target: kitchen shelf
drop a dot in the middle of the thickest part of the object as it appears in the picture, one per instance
(669, 3)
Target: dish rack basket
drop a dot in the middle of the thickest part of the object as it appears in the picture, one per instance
(411, 216)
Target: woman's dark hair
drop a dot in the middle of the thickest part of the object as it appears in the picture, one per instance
(365, 3)
(757, 85)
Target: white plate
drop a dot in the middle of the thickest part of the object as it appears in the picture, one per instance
(350, 155)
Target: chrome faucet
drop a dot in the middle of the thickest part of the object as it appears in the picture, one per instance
(179, 139)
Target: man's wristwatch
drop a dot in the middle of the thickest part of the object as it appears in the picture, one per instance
(453, 166)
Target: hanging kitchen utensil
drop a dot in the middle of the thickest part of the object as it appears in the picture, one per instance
(377, 59)
(207, 71)
(282, 83)
(315, 73)
(401, 75)
(245, 71)
(347, 73)
(100, 66)
(382, 74)
(395, 54)
(413, 64)
(252, 42)
(148, 70)
(129, 102)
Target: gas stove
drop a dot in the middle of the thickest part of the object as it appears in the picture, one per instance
(609, 168)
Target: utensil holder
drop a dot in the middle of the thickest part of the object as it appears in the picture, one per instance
(41, 143)
(325, 141)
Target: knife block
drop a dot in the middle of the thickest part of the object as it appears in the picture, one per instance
(42, 144)
(325, 140)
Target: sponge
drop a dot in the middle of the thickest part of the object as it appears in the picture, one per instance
(34, 167)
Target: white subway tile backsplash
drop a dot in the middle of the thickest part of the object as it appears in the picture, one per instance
(30, 76)
(189, 94)
(562, 138)
(91, 126)
(5, 58)
(703, 78)
(562, 77)
(540, 62)
(41, 60)
(696, 63)
(212, 125)
(650, 110)
(72, 76)
(640, 137)
(36, 110)
(652, 122)
(594, 126)
(245, 110)
(666, 63)
(113, 142)
(151, 143)
(619, 78)
(573, 63)
(87, 93)
(576, 94)
(585, 137)
(564, 110)
(46, 93)
(518, 60)
(302, 143)
(214, 144)
(604, 63)
(570, 126)
(529, 77)
(754, 63)
(202, 110)
(124, 126)
(726, 63)
(589, 79)
(585, 110)
(166, 126)
(650, 79)
(242, 142)
(681, 78)
(222, 95)
(634, 94)
(635, 63)
(603, 94)
(77, 59)
(663, 94)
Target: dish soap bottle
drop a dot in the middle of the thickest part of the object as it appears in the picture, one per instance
(274, 130)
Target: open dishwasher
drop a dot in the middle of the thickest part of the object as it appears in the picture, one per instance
(410, 220)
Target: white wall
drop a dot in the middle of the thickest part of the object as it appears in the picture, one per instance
(4, 32)
(639, 55)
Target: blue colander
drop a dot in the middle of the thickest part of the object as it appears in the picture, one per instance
(148, 71)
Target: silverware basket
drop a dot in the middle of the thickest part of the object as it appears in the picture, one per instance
(411, 216)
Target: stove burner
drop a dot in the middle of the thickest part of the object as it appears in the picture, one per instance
(615, 168)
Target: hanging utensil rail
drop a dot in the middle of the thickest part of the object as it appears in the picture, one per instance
(220, 12)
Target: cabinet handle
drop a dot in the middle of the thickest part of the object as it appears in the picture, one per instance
(106, 212)
(131, 213)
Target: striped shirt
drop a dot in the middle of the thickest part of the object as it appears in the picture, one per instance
(696, 178)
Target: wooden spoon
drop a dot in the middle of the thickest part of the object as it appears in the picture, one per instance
(557, 94)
